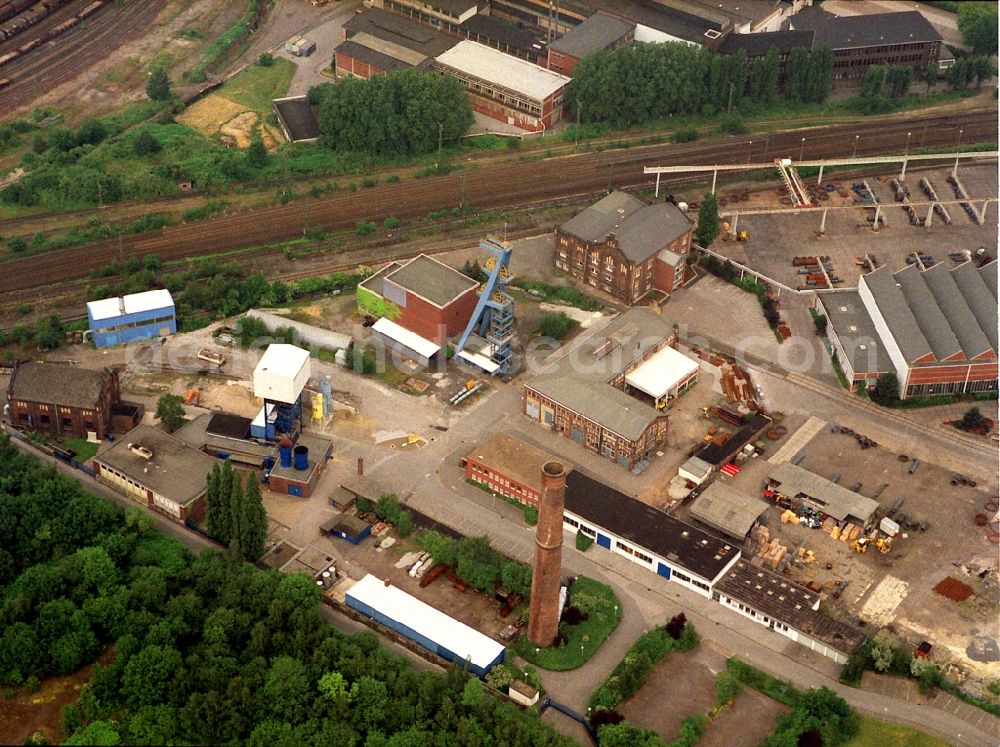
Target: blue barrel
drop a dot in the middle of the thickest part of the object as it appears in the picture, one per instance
(285, 450)
(301, 458)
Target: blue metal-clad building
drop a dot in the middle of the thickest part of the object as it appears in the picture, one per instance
(431, 628)
(139, 316)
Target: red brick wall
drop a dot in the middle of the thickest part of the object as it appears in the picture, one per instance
(562, 63)
(432, 323)
(475, 470)
(347, 65)
(952, 374)
(279, 484)
(663, 277)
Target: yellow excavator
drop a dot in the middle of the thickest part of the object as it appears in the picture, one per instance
(860, 544)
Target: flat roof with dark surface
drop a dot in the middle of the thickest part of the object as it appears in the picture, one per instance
(56, 384)
(641, 229)
(787, 602)
(399, 30)
(229, 426)
(298, 117)
(853, 326)
(598, 32)
(346, 523)
(432, 280)
(175, 471)
(647, 527)
(716, 454)
(729, 510)
(374, 57)
(758, 45)
(514, 458)
(877, 29)
(504, 33)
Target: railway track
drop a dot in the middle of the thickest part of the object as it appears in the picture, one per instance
(502, 187)
(66, 56)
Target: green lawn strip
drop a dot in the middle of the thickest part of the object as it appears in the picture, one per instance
(257, 86)
(873, 733)
(604, 611)
(85, 451)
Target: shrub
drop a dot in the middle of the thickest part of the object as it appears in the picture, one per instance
(391, 222)
(364, 227)
(675, 626)
(17, 244)
(731, 123)
(387, 508)
(583, 542)
(555, 325)
(369, 182)
(530, 514)
(685, 135)
(727, 687)
(632, 671)
(605, 717)
(266, 59)
(765, 683)
(404, 525)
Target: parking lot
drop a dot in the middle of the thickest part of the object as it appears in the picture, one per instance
(774, 239)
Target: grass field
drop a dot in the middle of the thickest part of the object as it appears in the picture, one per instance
(256, 86)
(881, 734)
(85, 450)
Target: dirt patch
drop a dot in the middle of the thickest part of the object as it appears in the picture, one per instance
(210, 114)
(744, 722)
(240, 127)
(953, 589)
(682, 685)
(28, 713)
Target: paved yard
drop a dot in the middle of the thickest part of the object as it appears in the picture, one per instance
(743, 723)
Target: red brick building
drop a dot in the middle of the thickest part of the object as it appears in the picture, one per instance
(423, 295)
(625, 247)
(509, 467)
(376, 41)
(600, 32)
(506, 88)
(68, 402)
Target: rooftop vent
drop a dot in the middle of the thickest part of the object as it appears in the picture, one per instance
(141, 451)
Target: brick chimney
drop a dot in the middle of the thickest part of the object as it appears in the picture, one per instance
(543, 622)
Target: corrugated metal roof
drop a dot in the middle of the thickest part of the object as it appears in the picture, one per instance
(426, 621)
(989, 275)
(405, 337)
(928, 314)
(897, 314)
(981, 300)
(729, 510)
(956, 310)
(661, 373)
(493, 66)
(134, 303)
(821, 494)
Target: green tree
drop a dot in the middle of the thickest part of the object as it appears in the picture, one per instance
(931, 75)
(17, 244)
(158, 86)
(266, 59)
(820, 322)
(213, 501)
(958, 75)
(978, 24)
(256, 157)
(886, 391)
(333, 686)
(253, 524)
(148, 676)
(883, 650)
(708, 221)
(972, 420)
(170, 411)
(555, 325)
(982, 69)
(96, 734)
(287, 693)
(49, 332)
(144, 144)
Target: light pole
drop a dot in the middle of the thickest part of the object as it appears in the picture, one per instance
(802, 148)
(958, 146)
(767, 144)
(907, 151)
(749, 147)
(855, 153)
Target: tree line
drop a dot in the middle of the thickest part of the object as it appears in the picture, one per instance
(643, 82)
(234, 511)
(207, 649)
(403, 112)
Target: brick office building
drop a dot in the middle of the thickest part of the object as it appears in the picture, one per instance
(625, 247)
(935, 329)
(600, 32)
(905, 38)
(68, 402)
(505, 88)
(377, 41)
(584, 395)
(509, 467)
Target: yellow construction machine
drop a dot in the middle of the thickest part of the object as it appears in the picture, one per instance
(860, 545)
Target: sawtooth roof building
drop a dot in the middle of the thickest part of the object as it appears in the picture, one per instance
(935, 329)
(625, 247)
